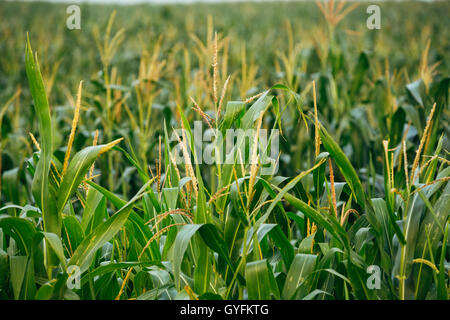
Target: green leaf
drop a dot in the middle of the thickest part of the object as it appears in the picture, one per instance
(111, 267)
(416, 90)
(327, 222)
(115, 200)
(93, 199)
(55, 243)
(301, 267)
(252, 114)
(45, 292)
(211, 237)
(233, 108)
(18, 267)
(344, 165)
(21, 230)
(283, 192)
(359, 73)
(84, 254)
(76, 172)
(315, 293)
(441, 99)
(154, 293)
(4, 269)
(258, 281)
(73, 233)
(22, 277)
(442, 288)
(181, 243)
(40, 185)
(143, 234)
(278, 237)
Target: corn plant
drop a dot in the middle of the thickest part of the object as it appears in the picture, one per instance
(354, 205)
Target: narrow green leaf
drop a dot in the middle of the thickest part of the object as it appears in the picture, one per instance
(258, 281)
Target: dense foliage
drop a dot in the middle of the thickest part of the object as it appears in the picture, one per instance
(358, 208)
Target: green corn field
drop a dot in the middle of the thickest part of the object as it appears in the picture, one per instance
(108, 192)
